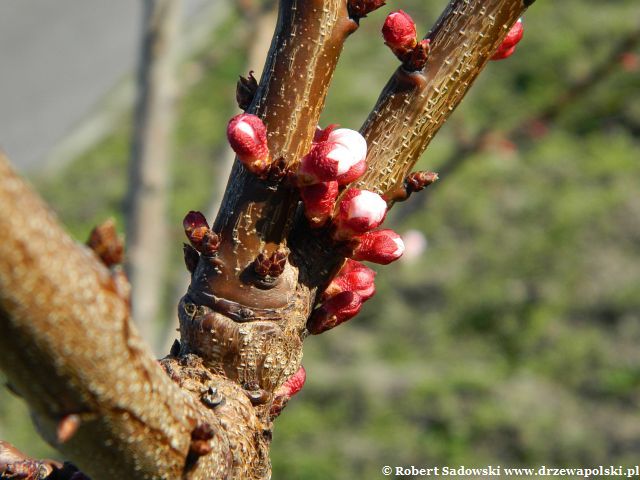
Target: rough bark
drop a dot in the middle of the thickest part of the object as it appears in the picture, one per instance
(66, 340)
(150, 158)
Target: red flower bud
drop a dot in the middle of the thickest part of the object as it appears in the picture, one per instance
(357, 145)
(248, 138)
(508, 45)
(293, 384)
(319, 201)
(353, 277)
(324, 163)
(334, 311)
(360, 211)
(195, 227)
(399, 32)
(381, 246)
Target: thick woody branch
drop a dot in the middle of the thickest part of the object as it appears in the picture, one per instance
(67, 346)
(250, 331)
(414, 105)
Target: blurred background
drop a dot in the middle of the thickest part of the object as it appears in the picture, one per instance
(509, 332)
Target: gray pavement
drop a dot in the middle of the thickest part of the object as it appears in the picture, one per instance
(58, 58)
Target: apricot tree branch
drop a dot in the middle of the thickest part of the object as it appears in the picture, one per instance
(414, 105)
(69, 349)
(521, 131)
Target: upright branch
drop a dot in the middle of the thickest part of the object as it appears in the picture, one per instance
(415, 104)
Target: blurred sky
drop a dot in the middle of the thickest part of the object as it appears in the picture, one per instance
(59, 58)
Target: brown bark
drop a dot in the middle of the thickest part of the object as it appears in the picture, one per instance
(66, 340)
(150, 158)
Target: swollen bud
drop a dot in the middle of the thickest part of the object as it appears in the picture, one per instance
(381, 246)
(508, 45)
(324, 163)
(291, 387)
(195, 227)
(359, 212)
(293, 384)
(353, 277)
(353, 141)
(248, 138)
(334, 311)
(319, 201)
(399, 32)
(336, 155)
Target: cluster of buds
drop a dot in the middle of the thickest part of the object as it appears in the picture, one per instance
(337, 157)
(247, 136)
(343, 298)
(202, 239)
(508, 45)
(400, 35)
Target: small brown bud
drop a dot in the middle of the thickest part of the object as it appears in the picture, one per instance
(195, 227)
(417, 58)
(104, 241)
(416, 181)
(210, 243)
(201, 440)
(245, 90)
(271, 266)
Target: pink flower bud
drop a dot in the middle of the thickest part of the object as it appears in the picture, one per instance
(381, 246)
(357, 145)
(399, 32)
(324, 163)
(334, 311)
(353, 277)
(248, 138)
(508, 45)
(283, 394)
(293, 384)
(319, 201)
(360, 211)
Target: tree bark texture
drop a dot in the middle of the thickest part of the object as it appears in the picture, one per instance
(65, 334)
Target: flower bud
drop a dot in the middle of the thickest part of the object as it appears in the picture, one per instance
(195, 227)
(288, 389)
(293, 384)
(334, 311)
(319, 201)
(324, 163)
(399, 32)
(508, 45)
(381, 246)
(353, 277)
(248, 138)
(353, 141)
(360, 211)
